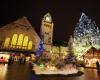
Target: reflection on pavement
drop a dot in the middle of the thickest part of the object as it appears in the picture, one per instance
(16, 71)
(3, 71)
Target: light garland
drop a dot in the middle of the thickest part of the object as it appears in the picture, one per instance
(86, 35)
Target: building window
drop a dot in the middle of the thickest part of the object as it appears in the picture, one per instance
(20, 40)
(30, 45)
(6, 43)
(25, 42)
(14, 40)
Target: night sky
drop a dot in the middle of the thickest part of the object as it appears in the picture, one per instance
(65, 14)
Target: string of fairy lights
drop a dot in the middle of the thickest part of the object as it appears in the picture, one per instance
(86, 35)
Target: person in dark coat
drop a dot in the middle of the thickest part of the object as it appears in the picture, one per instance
(97, 65)
(9, 60)
(20, 60)
(24, 59)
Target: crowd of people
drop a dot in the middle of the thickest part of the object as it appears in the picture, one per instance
(21, 60)
(11, 60)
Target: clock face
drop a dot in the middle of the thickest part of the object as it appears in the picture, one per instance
(48, 19)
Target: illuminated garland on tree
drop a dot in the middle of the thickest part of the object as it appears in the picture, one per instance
(70, 57)
(86, 34)
(41, 47)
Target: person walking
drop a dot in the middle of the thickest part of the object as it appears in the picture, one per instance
(97, 65)
(24, 60)
(20, 60)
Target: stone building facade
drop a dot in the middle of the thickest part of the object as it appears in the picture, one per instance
(19, 34)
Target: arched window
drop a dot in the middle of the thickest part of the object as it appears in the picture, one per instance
(25, 42)
(20, 40)
(30, 45)
(6, 43)
(14, 40)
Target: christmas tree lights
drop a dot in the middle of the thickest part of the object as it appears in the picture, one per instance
(41, 47)
(86, 35)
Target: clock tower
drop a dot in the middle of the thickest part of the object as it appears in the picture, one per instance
(47, 31)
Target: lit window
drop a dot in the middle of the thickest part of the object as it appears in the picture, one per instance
(14, 40)
(30, 45)
(6, 43)
(20, 40)
(25, 42)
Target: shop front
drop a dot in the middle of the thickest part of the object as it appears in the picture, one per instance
(91, 57)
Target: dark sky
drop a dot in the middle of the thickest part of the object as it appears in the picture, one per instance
(65, 14)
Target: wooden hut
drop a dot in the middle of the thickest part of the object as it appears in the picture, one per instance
(91, 57)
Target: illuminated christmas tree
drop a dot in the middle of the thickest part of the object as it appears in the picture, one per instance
(70, 57)
(41, 47)
(86, 35)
